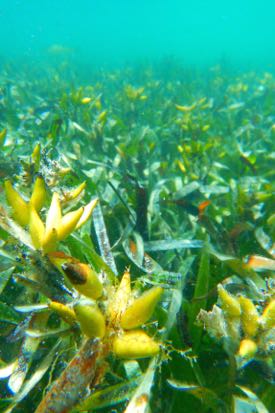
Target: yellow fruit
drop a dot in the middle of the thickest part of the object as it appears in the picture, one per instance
(66, 313)
(84, 279)
(119, 300)
(38, 197)
(50, 241)
(186, 108)
(87, 212)
(36, 154)
(68, 223)
(102, 117)
(249, 317)
(141, 309)
(75, 192)
(229, 303)
(181, 166)
(54, 214)
(134, 345)
(36, 228)
(20, 208)
(91, 320)
(86, 100)
(247, 349)
(268, 317)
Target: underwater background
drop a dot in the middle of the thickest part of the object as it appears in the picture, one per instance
(114, 32)
(137, 193)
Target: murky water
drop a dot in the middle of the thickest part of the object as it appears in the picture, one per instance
(200, 31)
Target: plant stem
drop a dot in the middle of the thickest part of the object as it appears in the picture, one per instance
(68, 388)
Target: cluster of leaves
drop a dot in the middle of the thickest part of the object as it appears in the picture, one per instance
(181, 164)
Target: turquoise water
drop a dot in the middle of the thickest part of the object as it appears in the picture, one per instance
(164, 111)
(200, 32)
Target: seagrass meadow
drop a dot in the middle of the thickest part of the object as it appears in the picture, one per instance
(137, 229)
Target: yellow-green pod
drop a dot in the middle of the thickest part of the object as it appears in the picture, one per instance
(181, 166)
(50, 240)
(86, 100)
(75, 192)
(36, 155)
(68, 223)
(54, 214)
(268, 317)
(36, 152)
(123, 291)
(20, 208)
(119, 300)
(248, 348)
(249, 317)
(84, 279)
(134, 345)
(87, 212)
(66, 313)
(141, 309)
(91, 320)
(205, 128)
(102, 117)
(229, 303)
(36, 228)
(38, 197)
(185, 108)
